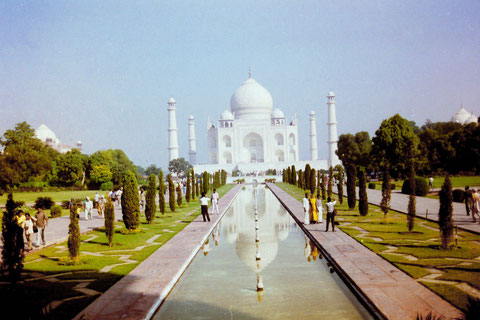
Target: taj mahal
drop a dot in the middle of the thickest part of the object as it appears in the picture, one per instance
(253, 136)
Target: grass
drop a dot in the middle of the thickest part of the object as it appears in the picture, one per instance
(457, 182)
(57, 196)
(458, 264)
(36, 292)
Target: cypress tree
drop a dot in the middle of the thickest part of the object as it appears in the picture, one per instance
(307, 172)
(130, 202)
(386, 193)
(179, 196)
(161, 192)
(74, 233)
(300, 182)
(13, 244)
(313, 181)
(187, 195)
(324, 192)
(109, 221)
(340, 184)
(205, 182)
(411, 198)
(288, 177)
(294, 175)
(171, 193)
(319, 182)
(330, 182)
(362, 193)
(351, 193)
(150, 206)
(445, 221)
(192, 181)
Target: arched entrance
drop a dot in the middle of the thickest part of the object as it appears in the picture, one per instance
(252, 148)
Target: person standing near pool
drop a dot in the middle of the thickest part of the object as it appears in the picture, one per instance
(313, 209)
(318, 205)
(204, 207)
(215, 198)
(306, 209)
(331, 213)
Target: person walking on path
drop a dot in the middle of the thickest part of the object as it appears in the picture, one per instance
(331, 213)
(430, 182)
(215, 198)
(88, 208)
(306, 209)
(318, 205)
(97, 198)
(476, 205)
(468, 200)
(42, 223)
(312, 212)
(28, 227)
(204, 207)
(101, 205)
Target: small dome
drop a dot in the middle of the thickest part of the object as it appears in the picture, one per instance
(312, 113)
(191, 117)
(331, 94)
(171, 100)
(461, 116)
(226, 115)
(277, 113)
(79, 142)
(251, 101)
(471, 119)
(44, 133)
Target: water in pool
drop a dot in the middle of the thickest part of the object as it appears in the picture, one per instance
(222, 280)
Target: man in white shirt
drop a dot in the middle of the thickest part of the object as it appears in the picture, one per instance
(204, 207)
(331, 213)
(306, 208)
(215, 198)
(88, 208)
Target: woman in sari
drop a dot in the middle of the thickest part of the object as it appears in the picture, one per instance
(313, 209)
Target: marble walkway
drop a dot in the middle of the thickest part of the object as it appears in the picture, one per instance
(393, 294)
(139, 293)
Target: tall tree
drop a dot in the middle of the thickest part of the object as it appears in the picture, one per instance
(330, 182)
(301, 180)
(307, 172)
(313, 181)
(179, 196)
(288, 177)
(73, 234)
(411, 199)
(189, 189)
(71, 168)
(340, 183)
(179, 166)
(116, 160)
(130, 201)
(205, 182)
(150, 206)
(171, 193)
(362, 193)
(294, 175)
(351, 192)
(445, 219)
(161, 192)
(100, 174)
(324, 191)
(386, 193)
(109, 221)
(13, 244)
(152, 169)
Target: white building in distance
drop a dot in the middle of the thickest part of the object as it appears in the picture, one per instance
(464, 117)
(48, 137)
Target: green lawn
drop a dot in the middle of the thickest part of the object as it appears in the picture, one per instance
(457, 182)
(418, 251)
(45, 280)
(57, 196)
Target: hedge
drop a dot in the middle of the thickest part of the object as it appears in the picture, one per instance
(55, 211)
(421, 187)
(371, 185)
(458, 195)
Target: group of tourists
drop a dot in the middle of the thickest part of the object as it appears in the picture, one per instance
(472, 202)
(204, 204)
(28, 225)
(313, 210)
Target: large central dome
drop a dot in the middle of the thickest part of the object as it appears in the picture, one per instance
(251, 101)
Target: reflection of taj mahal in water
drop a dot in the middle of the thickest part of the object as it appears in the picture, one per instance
(254, 136)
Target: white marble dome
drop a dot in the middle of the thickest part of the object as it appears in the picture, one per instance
(471, 119)
(251, 101)
(44, 133)
(226, 115)
(461, 116)
(277, 113)
(171, 100)
(331, 94)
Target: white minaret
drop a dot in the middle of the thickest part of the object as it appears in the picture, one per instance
(313, 137)
(172, 131)
(192, 145)
(332, 131)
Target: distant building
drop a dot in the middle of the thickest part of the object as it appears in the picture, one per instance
(47, 136)
(464, 117)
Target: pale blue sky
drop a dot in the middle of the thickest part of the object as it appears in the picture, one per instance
(102, 71)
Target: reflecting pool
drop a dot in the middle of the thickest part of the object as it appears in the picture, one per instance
(224, 280)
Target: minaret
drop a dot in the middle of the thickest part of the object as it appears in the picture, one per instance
(313, 137)
(332, 131)
(172, 131)
(192, 146)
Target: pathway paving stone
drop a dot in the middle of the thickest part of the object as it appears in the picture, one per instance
(139, 293)
(391, 291)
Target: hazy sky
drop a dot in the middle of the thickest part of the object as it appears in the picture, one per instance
(102, 71)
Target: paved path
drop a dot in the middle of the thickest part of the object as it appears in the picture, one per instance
(394, 294)
(399, 202)
(139, 293)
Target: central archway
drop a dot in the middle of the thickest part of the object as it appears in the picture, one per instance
(252, 148)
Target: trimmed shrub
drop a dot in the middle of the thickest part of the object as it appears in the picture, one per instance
(130, 202)
(150, 206)
(386, 193)
(351, 193)
(340, 183)
(179, 196)
(109, 221)
(161, 192)
(421, 187)
(458, 195)
(371, 185)
(56, 211)
(73, 234)
(189, 189)
(392, 186)
(106, 186)
(445, 220)
(330, 182)
(44, 203)
(171, 193)
(13, 243)
(362, 193)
